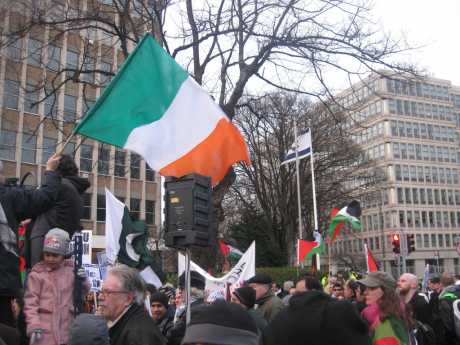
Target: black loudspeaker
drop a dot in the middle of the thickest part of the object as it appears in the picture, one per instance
(188, 211)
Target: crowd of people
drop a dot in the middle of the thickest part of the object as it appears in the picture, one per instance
(374, 309)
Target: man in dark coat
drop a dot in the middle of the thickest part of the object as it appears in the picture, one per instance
(159, 303)
(197, 286)
(122, 305)
(246, 297)
(417, 304)
(316, 318)
(267, 304)
(67, 210)
(17, 204)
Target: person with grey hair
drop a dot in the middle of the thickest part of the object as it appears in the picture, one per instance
(121, 302)
(16, 205)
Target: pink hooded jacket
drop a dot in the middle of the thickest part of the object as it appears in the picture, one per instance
(48, 302)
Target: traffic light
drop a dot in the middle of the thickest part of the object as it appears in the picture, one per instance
(396, 244)
(410, 243)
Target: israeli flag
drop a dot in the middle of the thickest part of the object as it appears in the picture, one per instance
(303, 148)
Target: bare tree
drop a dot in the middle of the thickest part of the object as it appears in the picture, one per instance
(271, 188)
(229, 46)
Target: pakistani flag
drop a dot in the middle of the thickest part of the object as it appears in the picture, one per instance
(126, 240)
(153, 107)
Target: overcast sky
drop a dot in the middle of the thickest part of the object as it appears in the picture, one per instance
(432, 24)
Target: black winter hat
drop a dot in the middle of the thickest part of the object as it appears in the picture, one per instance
(246, 295)
(196, 280)
(89, 329)
(221, 323)
(159, 297)
(260, 278)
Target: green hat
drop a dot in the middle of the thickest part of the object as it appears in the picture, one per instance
(379, 279)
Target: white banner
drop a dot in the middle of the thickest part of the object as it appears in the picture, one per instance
(222, 288)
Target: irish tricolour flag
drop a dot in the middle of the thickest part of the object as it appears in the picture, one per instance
(349, 214)
(153, 107)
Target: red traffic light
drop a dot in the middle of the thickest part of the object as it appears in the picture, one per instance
(395, 238)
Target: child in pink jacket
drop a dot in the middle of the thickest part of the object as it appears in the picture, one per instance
(48, 301)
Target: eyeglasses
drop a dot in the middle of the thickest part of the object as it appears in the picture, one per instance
(109, 292)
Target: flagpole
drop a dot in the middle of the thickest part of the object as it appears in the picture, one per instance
(313, 188)
(187, 286)
(366, 256)
(299, 204)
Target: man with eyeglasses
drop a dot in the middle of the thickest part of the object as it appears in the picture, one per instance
(122, 304)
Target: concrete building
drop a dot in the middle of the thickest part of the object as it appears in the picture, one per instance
(410, 129)
(30, 132)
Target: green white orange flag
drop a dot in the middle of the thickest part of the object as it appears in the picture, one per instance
(349, 214)
(153, 107)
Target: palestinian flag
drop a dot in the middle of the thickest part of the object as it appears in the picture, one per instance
(391, 331)
(349, 214)
(154, 108)
(126, 239)
(229, 251)
(306, 249)
(371, 263)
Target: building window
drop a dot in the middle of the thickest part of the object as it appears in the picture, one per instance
(431, 219)
(424, 219)
(418, 241)
(402, 219)
(86, 157)
(106, 73)
(7, 145)
(398, 173)
(400, 193)
(120, 163)
(13, 50)
(31, 99)
(103, 161)
(429, 196)
(150, 211)
(71, 63)
(87, 206)
(54, 58)
(135, 208)
(422, 196)
(433, 241)
(100, 214)
(438, 220)
(87, 72)
(35, 52)
(29, 148)
(11, 94)
(70, 149)
(48, 148)
(70, 108)
(135, 167)
(426, 241)
(51, 104)
(149, 173)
